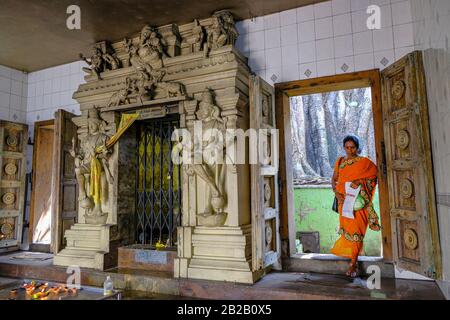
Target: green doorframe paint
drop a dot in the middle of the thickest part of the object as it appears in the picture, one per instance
(313, 213)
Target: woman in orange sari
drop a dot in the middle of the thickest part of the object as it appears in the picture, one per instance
(360, 171)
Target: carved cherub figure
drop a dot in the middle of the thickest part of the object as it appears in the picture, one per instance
(229, 26)
(111, 60)
(95, 62)
(217, 35)
(199, 36)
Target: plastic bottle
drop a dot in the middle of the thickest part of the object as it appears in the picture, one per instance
(108, 286)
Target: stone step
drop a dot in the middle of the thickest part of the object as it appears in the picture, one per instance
(331, 264)
(83, 248)
(82, 258)
(79, 252)
(85, 234)
(84, 226)
(90, 237)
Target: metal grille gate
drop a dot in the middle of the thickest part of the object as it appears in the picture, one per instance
(158, 184)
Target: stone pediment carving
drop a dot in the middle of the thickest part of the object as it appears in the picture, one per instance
(138, 90)
(153, 45)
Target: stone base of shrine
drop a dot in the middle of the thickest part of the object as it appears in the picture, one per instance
(88, 246)
(221, 253)
(145, 257)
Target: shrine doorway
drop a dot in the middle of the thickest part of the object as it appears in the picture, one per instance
(158, 183)
(409, 225)
(366, 84)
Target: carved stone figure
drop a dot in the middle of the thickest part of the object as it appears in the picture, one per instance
(136, 90)
(212, 170)
(229, 26)
(146, 58)
(222, 31)
(110, 60)
(217, 36)
(95, 62)
(173, 89)
(93, 151)
(119, 97)
(103, 58)
(138, 64)
(199, 36)
(150, 47)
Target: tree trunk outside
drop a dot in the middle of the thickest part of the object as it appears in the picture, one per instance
(320, 122)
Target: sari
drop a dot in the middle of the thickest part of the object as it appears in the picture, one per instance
(362, 172)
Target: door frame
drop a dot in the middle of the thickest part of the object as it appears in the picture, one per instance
(285, 90)
(37, 126)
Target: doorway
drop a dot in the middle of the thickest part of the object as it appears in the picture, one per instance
(158, 183)
(305, 172)
(41, 194)
(319, 123)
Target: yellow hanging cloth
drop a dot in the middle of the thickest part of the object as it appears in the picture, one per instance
(96, 167)
(96, 189)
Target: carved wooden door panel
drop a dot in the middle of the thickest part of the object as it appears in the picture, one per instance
(65, 190)
(266, 247)
(409, 167)
(13, 148)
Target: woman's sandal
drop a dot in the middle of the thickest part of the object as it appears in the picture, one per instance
(353, 271)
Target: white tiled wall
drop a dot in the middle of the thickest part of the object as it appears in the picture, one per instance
(13, 95)
(32, 97)
(431, 20)
(326, 39)
(51, 89)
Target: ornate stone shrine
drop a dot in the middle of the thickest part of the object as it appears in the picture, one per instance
(192, 71)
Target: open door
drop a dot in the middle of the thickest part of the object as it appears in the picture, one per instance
(412, 206)
(13, 150)
(64, 184)
(41, 192)
(266, 247)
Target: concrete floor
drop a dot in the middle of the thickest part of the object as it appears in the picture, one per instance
(275, 285)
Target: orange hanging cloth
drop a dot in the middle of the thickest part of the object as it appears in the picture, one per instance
(361, 171)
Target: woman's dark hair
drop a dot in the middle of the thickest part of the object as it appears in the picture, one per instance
(355, 140)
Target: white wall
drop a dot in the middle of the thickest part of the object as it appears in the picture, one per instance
(13, 95)
(52, 89)
(325, 39)
(432, 34)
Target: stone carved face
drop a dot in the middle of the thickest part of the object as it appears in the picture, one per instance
(216, 22)
(204, 111)
(93, 126)
(145, 33)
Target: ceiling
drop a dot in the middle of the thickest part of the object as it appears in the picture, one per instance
(34, 36)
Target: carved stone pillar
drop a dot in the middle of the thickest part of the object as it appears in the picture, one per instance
(220, 252)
